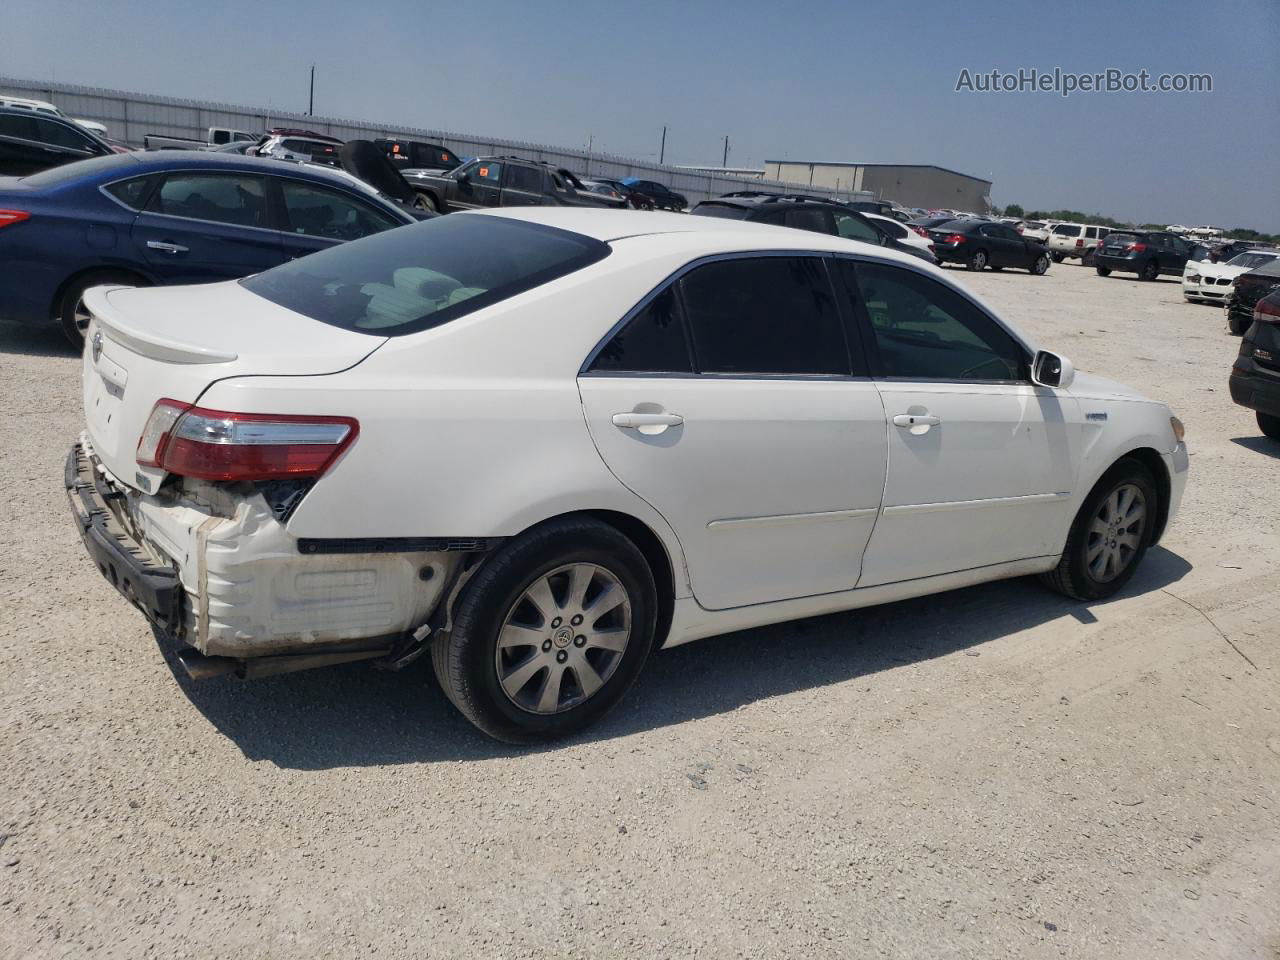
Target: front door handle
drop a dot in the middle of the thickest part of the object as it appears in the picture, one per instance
(647, 423)
(165, 247)
(910, 421)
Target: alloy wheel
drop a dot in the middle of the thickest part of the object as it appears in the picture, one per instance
(82, 317)
(563, 638)
(1115, 535)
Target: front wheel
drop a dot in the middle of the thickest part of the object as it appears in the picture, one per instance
(1041, 266)
(425, 202)
(1110, 534)
(1269, 425)
(550, 633)
(978, 261)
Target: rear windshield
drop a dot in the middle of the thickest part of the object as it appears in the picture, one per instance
(1120, 239)
(1067, 230)
(1034, 224)
(80, 168)
(416, 277)
(722, 210)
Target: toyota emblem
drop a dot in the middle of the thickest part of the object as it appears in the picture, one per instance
(97, 346)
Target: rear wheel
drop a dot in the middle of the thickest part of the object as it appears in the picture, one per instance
(1150, 270)
(1110, 534)
(978, 261)
(1041, 266)
(424, 201)
(1269, 425)
(1103, 271)
(1236, 327)
(72, 314)
(1087, 259)
(550, 633)
(1059, 257)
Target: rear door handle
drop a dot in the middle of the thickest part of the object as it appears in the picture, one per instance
(647, 423)
(165, 247)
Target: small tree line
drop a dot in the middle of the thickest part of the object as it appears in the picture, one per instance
(1075, 216)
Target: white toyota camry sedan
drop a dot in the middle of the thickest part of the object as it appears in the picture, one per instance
(539, 444)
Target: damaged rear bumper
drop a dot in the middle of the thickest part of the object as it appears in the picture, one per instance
(218, 573)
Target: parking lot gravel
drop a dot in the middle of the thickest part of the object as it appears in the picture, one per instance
(993, 772)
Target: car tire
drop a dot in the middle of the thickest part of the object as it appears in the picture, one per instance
(1103, 271)
(1096, 539)
(503, 689)
(1059, 257)
(1150, 271)
(1040, 267)
(1087, 259)
(1237, 329)
(71, 313)
(1269, 425)
(976, 262)
(424, 201)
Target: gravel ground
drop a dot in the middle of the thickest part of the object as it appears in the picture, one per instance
(995, 772)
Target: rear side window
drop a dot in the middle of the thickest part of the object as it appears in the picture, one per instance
(62, 135)
(926, 331)
(722, 210)
(132, 193)
(319, 212)
(653, 341)
(236, 199)
(402, 281)
(813, 219)
(1067, 230)
(23, 128)
(764, 315)
(522, 178)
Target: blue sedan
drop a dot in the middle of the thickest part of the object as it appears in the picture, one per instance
(167, 217)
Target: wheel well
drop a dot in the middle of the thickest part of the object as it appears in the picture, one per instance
(655, 554)
(66, 284)
(1155, 463)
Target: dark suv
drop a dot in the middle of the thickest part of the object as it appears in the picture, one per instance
(31, 141)
(500, 182)
(803, 213)
(1146, 253)
(1255, 377)
(1246, 292)
(651, 195)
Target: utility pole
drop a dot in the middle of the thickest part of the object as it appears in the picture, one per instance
(311, 99)
(662, 150)
(591, 139)
(725, 162)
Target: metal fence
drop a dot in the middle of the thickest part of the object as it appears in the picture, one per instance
(131, 116)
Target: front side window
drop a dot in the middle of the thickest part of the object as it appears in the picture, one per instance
(61, 135)
(236, 199)
(402, 281)
(317, 211)
(764, 315)
(487, 173)
(924, 330)
(653, 341)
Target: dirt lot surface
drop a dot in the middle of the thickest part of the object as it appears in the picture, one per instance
(995, 772)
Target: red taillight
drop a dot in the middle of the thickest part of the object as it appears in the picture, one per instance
(955, 238)
(1267, 311)
(920, 230)
(1134, 247)
(8, 217)
(224, 447)
(1080, 242)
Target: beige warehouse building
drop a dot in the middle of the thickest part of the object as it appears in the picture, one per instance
(909, 184)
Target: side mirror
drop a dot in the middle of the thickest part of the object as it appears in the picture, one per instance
(1051, 370)
(462, 176)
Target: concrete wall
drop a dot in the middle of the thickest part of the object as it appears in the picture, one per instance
(908, 184)
(131, 116)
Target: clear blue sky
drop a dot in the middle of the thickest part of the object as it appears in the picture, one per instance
(822, 80)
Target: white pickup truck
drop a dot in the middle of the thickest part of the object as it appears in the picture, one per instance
(217, 136)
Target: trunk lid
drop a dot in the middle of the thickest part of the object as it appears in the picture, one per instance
(144, 345)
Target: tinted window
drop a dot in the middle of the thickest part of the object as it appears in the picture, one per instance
(652, 342)
(23, 128)
(770, 315)
(222, 197)
(892, 228)
(926, 331)
(855, 228)
(524, 178)
(722, 210)
(62, 135)
(809, 218)
(1067, 230)
(319, 212)
(132, 193)
(402, 281)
